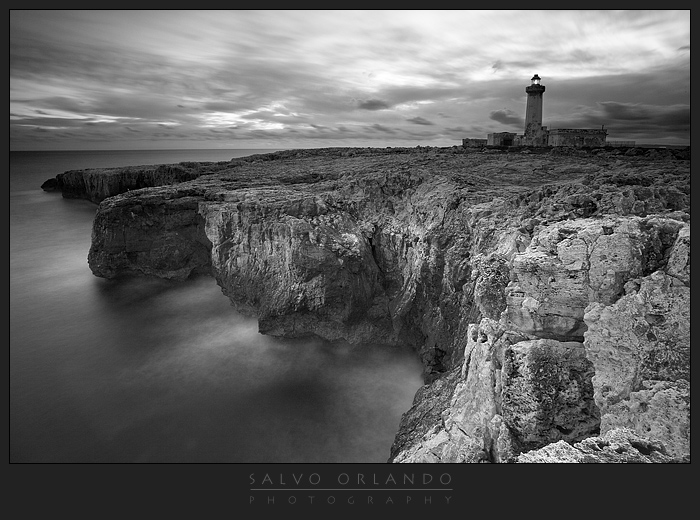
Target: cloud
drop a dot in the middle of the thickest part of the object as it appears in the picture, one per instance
(507, 117)
(419, 121)
(372, 104)
(640, 121)
(676, 114)
(381, 128)
(365, 75)
(456, 130)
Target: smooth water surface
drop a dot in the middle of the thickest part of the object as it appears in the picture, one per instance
(148, 370)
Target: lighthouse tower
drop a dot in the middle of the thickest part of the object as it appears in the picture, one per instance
(535, 134)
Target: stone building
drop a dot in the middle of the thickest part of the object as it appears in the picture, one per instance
(578, 138)
(474, 143)
(500, 139)
(537, 135)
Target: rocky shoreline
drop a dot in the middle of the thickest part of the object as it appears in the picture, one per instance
(546, 291)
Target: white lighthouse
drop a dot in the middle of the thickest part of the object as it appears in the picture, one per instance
(535, 134)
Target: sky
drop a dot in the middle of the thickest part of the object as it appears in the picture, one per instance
(243, 79)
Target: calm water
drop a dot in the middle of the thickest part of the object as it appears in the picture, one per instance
(155, 371)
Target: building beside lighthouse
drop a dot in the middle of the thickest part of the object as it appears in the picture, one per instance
(535, 134)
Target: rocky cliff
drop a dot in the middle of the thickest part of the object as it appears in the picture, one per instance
(547, 292)
(96, 184)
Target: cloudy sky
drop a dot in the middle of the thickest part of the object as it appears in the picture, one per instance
(118, 79)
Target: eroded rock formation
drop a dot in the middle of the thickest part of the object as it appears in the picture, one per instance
(547, 294)
(96, 184)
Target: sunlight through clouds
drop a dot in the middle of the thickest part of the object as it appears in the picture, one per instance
(293, 73)
(232, 120)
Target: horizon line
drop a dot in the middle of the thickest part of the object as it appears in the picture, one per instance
(636, 145)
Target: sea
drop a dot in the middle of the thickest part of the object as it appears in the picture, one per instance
(152, 371)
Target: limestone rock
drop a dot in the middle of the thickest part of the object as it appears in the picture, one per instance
(679, 258)
(421, 433)
(96, 184)
(491, 275)
(51, 185)
(620, 445)
(570, 264)
(311, 272)
(660, 410)
(153, 236)
(468, 428)
(513, 394)
(547, 294)
(547, 392)
(645, 335)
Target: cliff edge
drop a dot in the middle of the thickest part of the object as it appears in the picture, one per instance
(546, 292)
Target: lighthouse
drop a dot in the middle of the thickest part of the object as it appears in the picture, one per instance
(535, 134)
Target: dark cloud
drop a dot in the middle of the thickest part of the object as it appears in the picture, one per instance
(417, 134)
(372, 104)
(637, 121)
(419, 121)
(381, 128)
(670, 83)
(655, 114)
(507, 117)
(504, 66)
